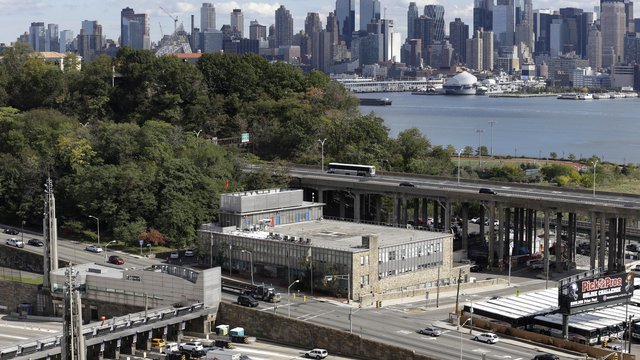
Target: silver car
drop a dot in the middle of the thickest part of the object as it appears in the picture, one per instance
(430, 330)
(489, 338)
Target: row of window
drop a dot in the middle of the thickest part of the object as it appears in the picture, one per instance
(409, 251)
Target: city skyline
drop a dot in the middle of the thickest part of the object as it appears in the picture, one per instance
(18, 15)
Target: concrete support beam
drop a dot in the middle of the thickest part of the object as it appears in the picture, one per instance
(396, 210)
(320, 195)
(622, 229)
(529, 231)
(613, 248)
(378, 205)
(405, 211)
(571, 241)
(594, 241)
(501, 219)
(523, 226)
(547, 216)
(446, 209)
(416, 211)
(465, 227)
(603, 243)
(516, 230)
(425, 214)
(357, 206)
(342, 205)
(504, 225)
(558, 249)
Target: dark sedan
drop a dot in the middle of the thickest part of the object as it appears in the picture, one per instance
(11, 231)
(35, 242)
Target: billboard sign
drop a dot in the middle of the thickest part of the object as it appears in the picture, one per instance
(578, 295)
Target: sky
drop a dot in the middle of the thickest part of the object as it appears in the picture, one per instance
(17, 15)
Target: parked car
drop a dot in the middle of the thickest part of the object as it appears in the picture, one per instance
(475, 268)
(94, 248)
(546, 357)
(475, 220)
(158, 342)
(632, 247)
(170, 347)
(11, 231)
(489, 338)
(115, 259)
(430, 330)
(188, 253)
(174, 255)
(317, 354)
(536, 265)
(35, 242)
(15, 242)
(191, 346)
(247, 300)
(487, 191)
(407, 184)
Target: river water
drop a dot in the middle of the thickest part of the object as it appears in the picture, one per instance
(531, 127)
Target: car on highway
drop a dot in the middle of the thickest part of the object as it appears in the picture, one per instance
(489, 338)
(94, 248)
(407, 184)
(116, 260)
(487, 191)
(431, 331)
(316, 354)
(247, 300)
(174, 255)
(15, 242)
(158, 342)
(191, 346)
(11, 231)
(546, 357)
(35, 242)
(188, 253)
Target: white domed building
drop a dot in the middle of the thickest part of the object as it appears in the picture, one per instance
(461, 84)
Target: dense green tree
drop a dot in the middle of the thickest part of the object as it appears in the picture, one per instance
(90, 90)
(38, 84)
(412, 145)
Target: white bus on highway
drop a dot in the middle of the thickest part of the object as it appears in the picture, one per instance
(352, 169)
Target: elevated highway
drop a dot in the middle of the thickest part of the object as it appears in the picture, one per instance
(515, 208)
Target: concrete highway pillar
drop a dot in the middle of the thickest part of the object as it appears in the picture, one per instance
(444, 215)
(396, 210)
(603, 243)
(405, 211)
(620, 241)
(594, 241)
(446, 209)
(492, 233)
(436, 212)
(522, 226)
(416, 211)
(342, 205)
(529, 230)
(357, 206)
(571, 241)
(378, 202)
(501, 219)
(535, 231)
(424, 213)
(320, 195)
(483, 236)
(613, 249)
(516, 230)
(506, 221)
(465, 227)
(547, 216)
(558, 249)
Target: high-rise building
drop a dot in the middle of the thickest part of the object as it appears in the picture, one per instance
(487, 50)
(613, 24)
(504, 22)
(284, 27)
(322, 51)
(312, 23)
(458, 36)
(257, 31)
(474, 51)
(52, 41)
(524, 24)
(207, 17)
(332, 28)
(369, 11)
(134, 30)
(37, 35)
(483, 15)
(436, 12)
(628, 10)
(542, 29)
(237, 22)
(65, 40)
(90, 40)
(425, 29)
(412, 15)
(346, 16)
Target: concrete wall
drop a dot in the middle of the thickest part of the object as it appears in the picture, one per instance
(18, 259)
(266, 325)
(14, 293)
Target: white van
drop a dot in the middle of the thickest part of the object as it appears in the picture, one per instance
(220, 354)
(170, 347)
(15, 242)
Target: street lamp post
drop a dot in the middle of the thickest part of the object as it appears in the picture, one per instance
(289, 294)
(251, 262)
(98, 221)
(461, 336)
(491, 122)
(105, 249)
(230, 259)
(595, 163)
(322, 152)
(479, 131)
(22, 233)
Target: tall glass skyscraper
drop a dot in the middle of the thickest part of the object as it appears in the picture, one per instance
(346, 15)
(207, 17)
(412, 15)
(284, 27)
(483, 15)
(369, 10)
(436, 12)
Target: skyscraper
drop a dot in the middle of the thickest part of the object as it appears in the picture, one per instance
(412, 15)
(37, 36)
(312, 23)
(207, 17)
(346, 16)
(542, 29)
(284, 27)
(613, 25)
(332, 28)
(594, 47)
(369, 10)
(257, 31)
(90, 40)
(504, 22)
(51, 41)
(237, 21)
(134, 30)
(65, 40)
(483, 15)
(458, 35)
(436, 12)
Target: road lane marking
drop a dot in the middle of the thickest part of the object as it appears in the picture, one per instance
(13, 337)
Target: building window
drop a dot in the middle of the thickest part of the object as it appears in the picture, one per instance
(392, 255)
(364, 280)
(364, 260)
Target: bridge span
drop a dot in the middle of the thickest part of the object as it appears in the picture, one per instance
(399, 199)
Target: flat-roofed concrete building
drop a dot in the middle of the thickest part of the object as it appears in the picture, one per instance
(285, 239)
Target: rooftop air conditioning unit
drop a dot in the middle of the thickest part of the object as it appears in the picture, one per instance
(286, 238)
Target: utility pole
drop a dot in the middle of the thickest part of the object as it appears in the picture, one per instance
(73, 347)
